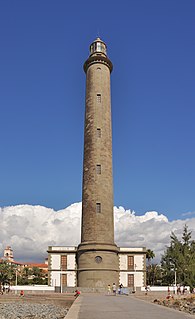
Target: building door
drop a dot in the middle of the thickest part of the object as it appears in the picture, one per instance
(131, 280)
(63, 262)
(64, 280)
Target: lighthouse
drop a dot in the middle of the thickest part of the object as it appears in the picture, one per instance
(97, 255)
(97, 262)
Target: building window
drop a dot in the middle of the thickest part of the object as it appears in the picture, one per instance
(98, 169)
(99, 133)
(131, 280)
(63, 262)
(98, 259)
(98, 207)
(131, 262)
(99, 98)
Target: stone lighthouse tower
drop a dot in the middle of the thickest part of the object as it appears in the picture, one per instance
(97, 257)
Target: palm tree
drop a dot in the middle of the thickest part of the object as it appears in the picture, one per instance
(149, 255)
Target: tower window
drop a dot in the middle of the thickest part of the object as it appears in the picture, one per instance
(98, 68)
(99, 133)
(99, 98)
(98, 169)
(98, 207)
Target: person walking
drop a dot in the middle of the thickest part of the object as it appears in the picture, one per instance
(114, 289)
(109, 290)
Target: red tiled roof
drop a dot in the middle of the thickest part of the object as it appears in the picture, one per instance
(37, 265)
(27, 264)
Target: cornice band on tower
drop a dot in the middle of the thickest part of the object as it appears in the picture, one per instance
(97, 59)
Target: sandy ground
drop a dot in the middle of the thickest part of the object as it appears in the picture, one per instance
(151, 296)
(57, 299)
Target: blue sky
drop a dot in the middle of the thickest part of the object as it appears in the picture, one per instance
(42, 91)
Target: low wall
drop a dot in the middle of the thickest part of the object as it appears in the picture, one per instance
(34, 288)
(44, 289)
(164, 288)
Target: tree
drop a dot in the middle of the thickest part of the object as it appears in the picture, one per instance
(23, 276)
(7, 272)
(179, 260)
(154, 274)
(149, 255)
(149, 278)
(39, 277)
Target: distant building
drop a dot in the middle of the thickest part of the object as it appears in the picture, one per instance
(9, 258)
(8, 253)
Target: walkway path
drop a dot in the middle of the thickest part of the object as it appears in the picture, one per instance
(97, 306)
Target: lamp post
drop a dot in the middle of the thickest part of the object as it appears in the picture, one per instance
(135, 278)
(175, 270)
(175, 279)
(61, 282)
(175, 274)
(16, 278)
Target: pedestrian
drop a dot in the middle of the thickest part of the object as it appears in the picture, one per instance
(146, 290)
(114, 289)
(120, 289)
(77, 293)
(21, 293)
(109, 290)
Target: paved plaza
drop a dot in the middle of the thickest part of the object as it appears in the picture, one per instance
(97, 306)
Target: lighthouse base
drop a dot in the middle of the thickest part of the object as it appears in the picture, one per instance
(98, 265)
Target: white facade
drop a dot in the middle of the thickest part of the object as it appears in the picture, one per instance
(62, 275)
(132, 275)
(132, 267)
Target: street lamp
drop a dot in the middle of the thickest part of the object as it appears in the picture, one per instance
(175, 284)
(135, 266)
(61, 282)
(175, 277)
(175, 272)
(16, 277)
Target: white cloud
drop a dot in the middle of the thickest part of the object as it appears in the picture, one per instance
(188, 214)
(29, 230)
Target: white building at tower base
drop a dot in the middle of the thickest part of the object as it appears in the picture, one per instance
(62, 267)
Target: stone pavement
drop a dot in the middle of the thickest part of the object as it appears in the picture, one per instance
(99, 306)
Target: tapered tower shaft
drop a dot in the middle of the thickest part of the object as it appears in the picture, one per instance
(97, 253)
(97, 209)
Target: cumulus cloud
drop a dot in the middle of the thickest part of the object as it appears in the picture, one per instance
(188, 214)
(29, 230)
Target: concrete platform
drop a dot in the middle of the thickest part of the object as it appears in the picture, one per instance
(98, 306)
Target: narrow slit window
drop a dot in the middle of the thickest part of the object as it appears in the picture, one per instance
(98, 169)
(98, 208)
(99, 133)
(99, 98)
